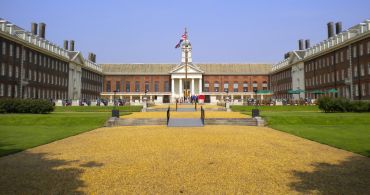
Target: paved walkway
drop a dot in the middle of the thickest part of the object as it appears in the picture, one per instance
(206, 160)
(185, 122)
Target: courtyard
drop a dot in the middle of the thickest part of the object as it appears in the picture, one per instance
(197, 160)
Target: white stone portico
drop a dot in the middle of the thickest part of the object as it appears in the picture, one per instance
(178, 80)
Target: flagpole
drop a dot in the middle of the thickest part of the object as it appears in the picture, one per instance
(186, 64)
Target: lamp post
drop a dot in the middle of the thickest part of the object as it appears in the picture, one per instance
(227, 103)
(145, 99)
(115, 111)
(255, 111)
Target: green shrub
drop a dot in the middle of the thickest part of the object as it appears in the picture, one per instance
(325, 103)
(359, 106)
(36, 106)
(328, 104)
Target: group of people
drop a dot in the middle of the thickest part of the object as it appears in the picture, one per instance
(192, 99)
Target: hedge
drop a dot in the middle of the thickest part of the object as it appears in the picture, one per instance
(35, 106)
(329, 104)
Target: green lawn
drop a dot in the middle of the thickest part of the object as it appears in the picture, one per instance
(275, 108)
(21, 131)
(348, 131)
(96, 108)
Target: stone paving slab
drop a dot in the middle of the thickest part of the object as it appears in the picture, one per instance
(185, 122)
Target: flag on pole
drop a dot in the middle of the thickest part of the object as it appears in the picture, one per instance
(178, 44)
(183, 37)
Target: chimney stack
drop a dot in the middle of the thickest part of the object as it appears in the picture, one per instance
(65, 44)
(301, 44)
(72, 45)
(34, 28)
(42, 27)
(307, 43)
(330, 29)
(338, 27)
(90, 56)
(94, 58)
(286, 55)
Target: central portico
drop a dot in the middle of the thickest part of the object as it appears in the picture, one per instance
(186, 78)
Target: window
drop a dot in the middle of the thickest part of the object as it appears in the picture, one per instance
(16, 72)
(9, 90)
(4, 48)
(137, 86)
(368, 69)
(363, 90)
(2, 69)
(255, 86)
(206, 85)
(10, 49)
(167, 86)
(1, 89)
(362, 70)
(128, 86)
(264, 85)
(348, 54)
(236, 86)
(341, 56)
(107, 87)
(368, 47)
(216, 86)
(355, 71)
(354, 50)
(361, 48)
(118, 85)
(147, 87)
(226, 86)
(10, 71)
(343, 74)
(356, 90)
(156, 86)
(15, 91)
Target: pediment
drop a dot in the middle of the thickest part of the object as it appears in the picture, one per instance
(78, 58)
(191, 69)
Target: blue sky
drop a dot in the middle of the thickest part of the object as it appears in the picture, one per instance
(233, 31)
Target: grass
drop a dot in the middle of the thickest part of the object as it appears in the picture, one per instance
(348, 131)
(21, 131)
(274, 108)
(96, 108)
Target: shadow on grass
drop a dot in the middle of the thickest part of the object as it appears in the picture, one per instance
(40, 173)
(351, 176)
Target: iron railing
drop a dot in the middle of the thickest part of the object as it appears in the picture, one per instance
(202, 114)
(168, 115)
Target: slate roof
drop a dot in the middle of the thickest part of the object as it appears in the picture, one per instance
(164, 69)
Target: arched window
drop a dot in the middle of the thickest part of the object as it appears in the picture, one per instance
(137, 86)
(147, 88)
(236, 86)
(255, 86)
(216, 86)
(206, 86)
(264, 85)
(245, 86)
(226, 86)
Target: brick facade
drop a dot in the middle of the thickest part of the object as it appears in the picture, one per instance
(137, 83)
(42, 76)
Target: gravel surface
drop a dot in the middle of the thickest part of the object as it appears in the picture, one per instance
(207, 160)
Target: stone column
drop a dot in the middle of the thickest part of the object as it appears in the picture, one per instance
(200, 85)
(180, 87)
(192, 86)
(130, 98)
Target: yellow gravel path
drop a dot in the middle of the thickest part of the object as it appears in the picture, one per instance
(207, 160)
(186, 115)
